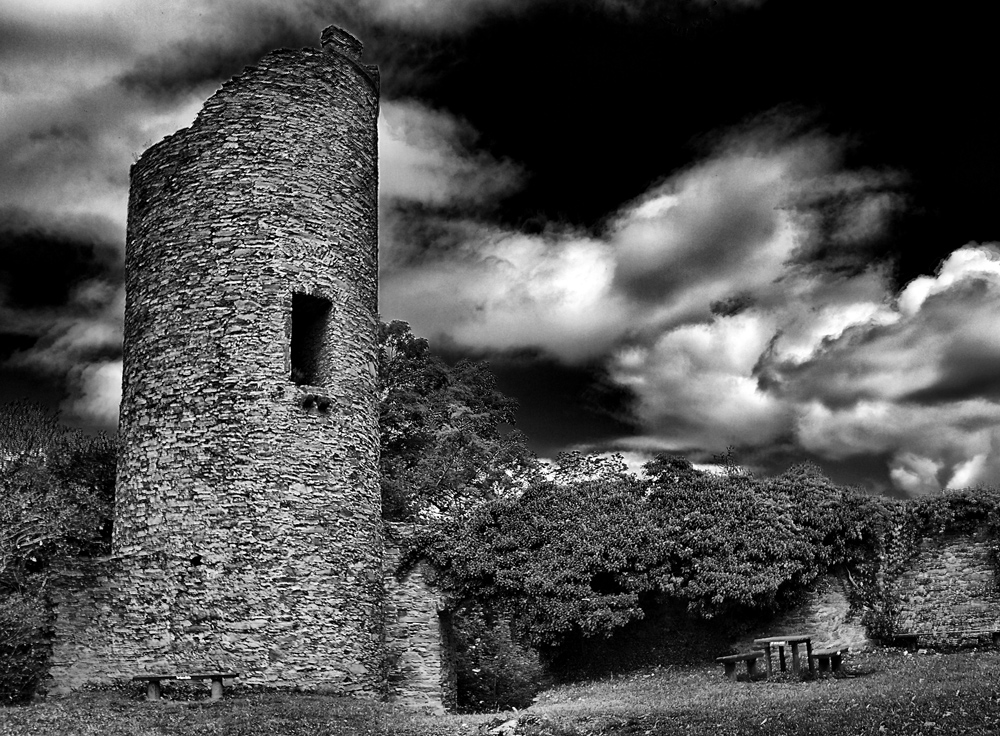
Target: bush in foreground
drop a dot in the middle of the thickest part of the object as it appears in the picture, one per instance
(494, 672)
(24, 645)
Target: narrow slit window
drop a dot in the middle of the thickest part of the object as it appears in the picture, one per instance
(310, 315)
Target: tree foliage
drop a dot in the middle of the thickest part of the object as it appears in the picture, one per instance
(446, 431)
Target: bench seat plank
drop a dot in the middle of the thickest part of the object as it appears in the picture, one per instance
(911, 639)
(830, 658)
(153, 682)
(729, 663)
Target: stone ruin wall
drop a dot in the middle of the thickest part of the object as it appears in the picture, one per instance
(418, 637)
(91, 642)
(248, 530)
(949, 585)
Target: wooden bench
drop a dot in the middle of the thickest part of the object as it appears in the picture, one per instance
(911, 639)
(729, 663)
(153, 682)
(830, 658)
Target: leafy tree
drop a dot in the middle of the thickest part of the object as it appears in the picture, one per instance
(446, 437)
(665, 470)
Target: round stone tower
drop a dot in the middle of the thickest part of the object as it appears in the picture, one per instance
(248, 505)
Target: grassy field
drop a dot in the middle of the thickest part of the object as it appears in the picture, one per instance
(880, 694)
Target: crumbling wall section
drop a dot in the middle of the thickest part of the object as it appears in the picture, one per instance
(825, 612)
(248, 521)
(418, 639)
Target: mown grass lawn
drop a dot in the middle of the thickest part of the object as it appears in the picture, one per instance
(881, 694)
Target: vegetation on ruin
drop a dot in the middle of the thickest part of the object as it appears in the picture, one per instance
(592, 548)
(57, 489)
(590, 552)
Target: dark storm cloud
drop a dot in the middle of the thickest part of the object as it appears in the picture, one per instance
(41, 271)
(60, 305)
(44, 265)
(562, 405)
(968, 371)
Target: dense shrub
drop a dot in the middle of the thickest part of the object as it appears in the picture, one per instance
(555, 560)
(964, 510)
(494, 671)
(589, 552)
(24, 645)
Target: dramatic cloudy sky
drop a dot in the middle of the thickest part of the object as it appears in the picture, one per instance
(675, 225)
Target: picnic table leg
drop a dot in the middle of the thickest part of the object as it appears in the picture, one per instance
(730, 670)
(795, 658)
(809, 657)
(835, 661)
(781, 657)
(767, 654)
(152, 690)
(216, 688)
(751, 669)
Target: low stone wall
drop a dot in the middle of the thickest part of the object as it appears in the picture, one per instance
(85, 618)
(949, 585)
(419, 659)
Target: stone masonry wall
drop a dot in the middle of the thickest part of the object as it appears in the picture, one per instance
(85, 620)
(949, 585)
(825, 613)
(248, 524)
(419, 651)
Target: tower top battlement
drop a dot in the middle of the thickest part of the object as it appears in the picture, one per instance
(337, 40)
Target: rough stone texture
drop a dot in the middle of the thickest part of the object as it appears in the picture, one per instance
(949, 586)
(86, 606)
(247, 524)
(418, 637)
(825, 613)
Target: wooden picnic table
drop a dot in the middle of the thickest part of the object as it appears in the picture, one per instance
(780, 642)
